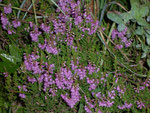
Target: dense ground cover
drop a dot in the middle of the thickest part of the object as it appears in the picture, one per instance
(71, 56)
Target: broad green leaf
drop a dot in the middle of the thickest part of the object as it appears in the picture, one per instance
(6, 57)
(135, 8)
(143, 10)
(10, 58)
(115, 18)
(126, 16)
(148, 62)
(121, 27)
(143, 22)
(134, 2)
(6, 66)
(139, 31)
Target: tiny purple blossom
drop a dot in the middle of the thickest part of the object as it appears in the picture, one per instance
(5, 74)
(22, 95)
(34, 35)
(45, 28)
(87, 109)
(4, 21)
(16, 23)
(7, 9)
(128, 43)
(140, 105)
(32, 80)
(119, 46)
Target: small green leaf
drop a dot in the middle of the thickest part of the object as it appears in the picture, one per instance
(138, 46)
(115, 18)
(148, 19)
(139, 31)
(148, 31)
(121, 27)
(143, 22)
(144, 55)
(148, 39)
(148, 62)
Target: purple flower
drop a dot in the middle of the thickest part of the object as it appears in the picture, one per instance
(22, 95)
(51, 49)
(81, 73)
(140, 104)
(42, 46)
(7, 9)
(119, 46)
(10, 32)
(91, 68)
(121, 107)
(64, 79)
(75, 97)
(111, 94)
(114, 34)
(98, 95)
(128, 106)
(34, 35)
(120, 34)
(78, 20)
(128, 43)
(5, 74)
(45, 28)
(99, 111)
(105, 103)
(24, 87)
(87, 109)
(19, 87)
(16, 23)
(31, 24)
(4, 21)
(125, 106)
(32, 80)
(124, 39)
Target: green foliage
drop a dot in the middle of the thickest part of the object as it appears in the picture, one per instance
(138, 13)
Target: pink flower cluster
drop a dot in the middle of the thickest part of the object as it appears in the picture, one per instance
(49, 46)
(23, 88)
(34, 34)
(64, 79)
(122, 36)
(125, 106)
(75, 97)
(93, 83)
(8, 9)
(31, 64)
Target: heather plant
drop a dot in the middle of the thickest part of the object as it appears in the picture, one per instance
(63, 66)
